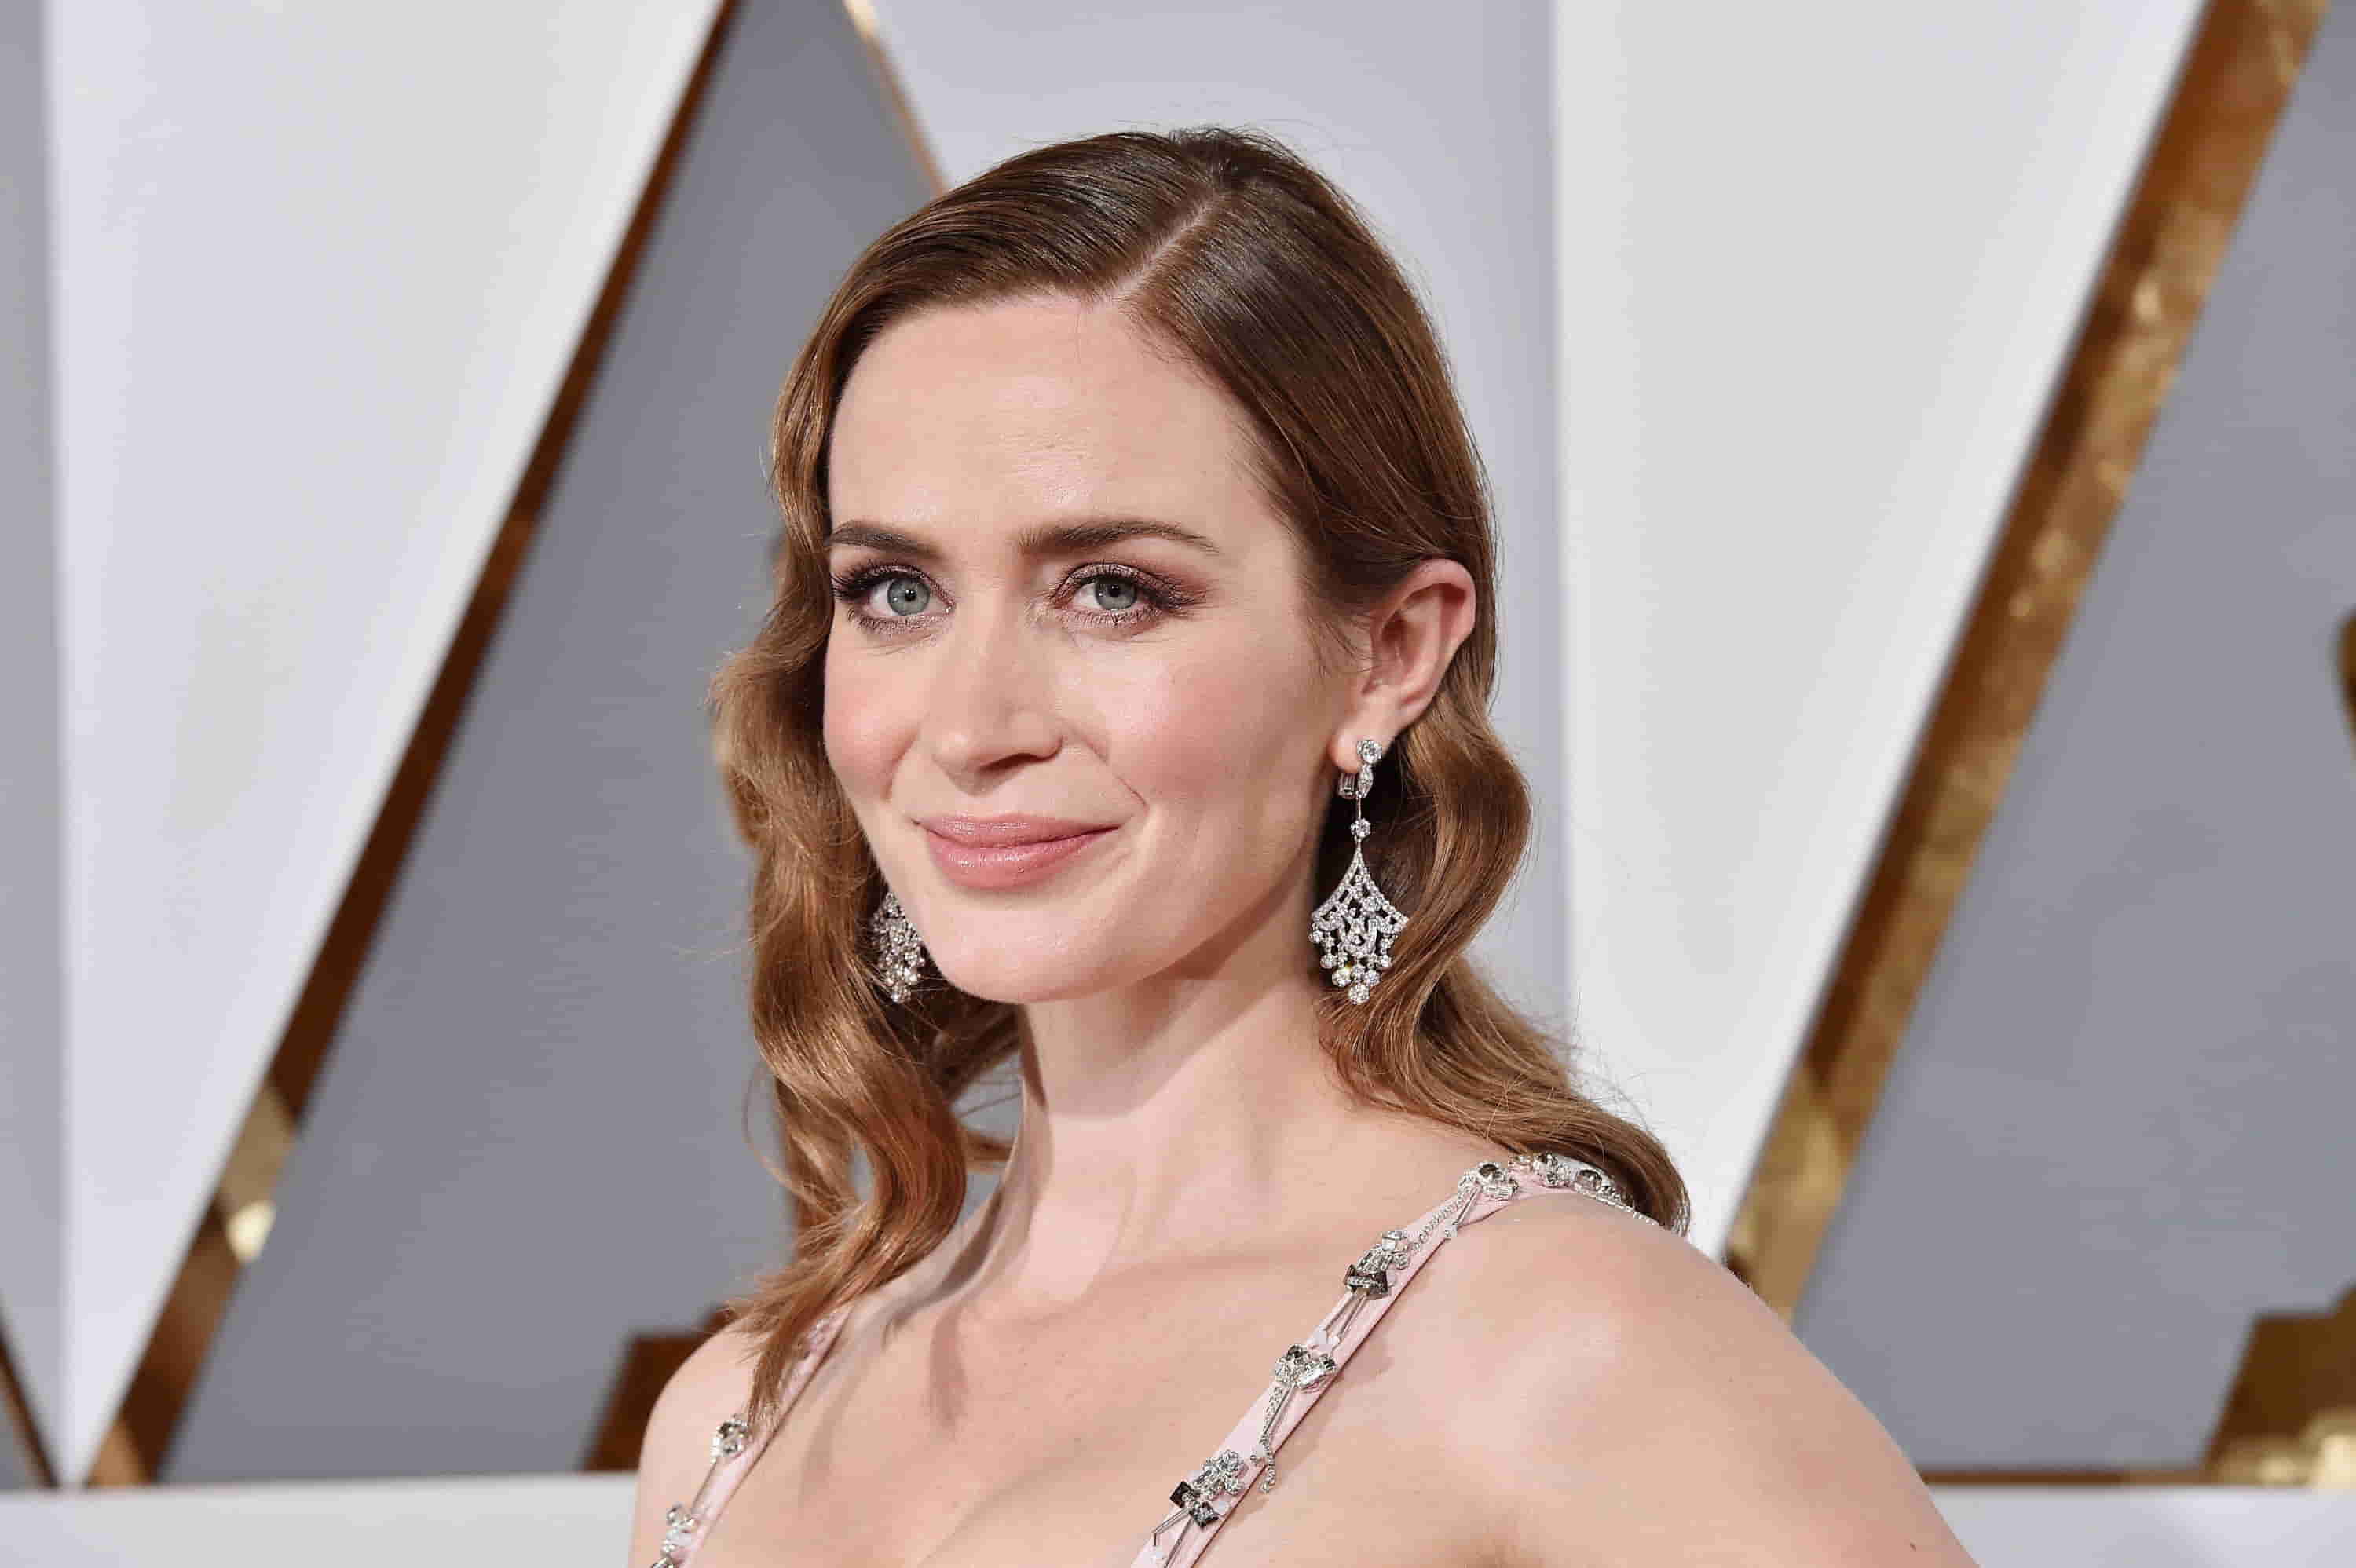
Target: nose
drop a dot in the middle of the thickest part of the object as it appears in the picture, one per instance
(991, 697)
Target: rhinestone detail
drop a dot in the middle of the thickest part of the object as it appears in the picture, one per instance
(1370, 1275)
(1219, 1476)
(902, 951)
(1560, 1171)
(1302, 1368)
(680, 1522)
(679, 1529)
(1488, 1180)
(1308, 1365)
(1354, 927)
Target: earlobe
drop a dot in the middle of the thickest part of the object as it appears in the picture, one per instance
(1343, 754)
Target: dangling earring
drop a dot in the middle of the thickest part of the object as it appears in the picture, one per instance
(1355, 924)
(899, 952)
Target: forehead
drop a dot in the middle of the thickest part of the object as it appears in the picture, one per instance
(1005, 413)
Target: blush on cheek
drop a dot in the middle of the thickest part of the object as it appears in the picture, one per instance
(1219, 724)
(858, 737)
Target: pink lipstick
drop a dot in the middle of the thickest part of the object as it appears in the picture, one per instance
(991, 852)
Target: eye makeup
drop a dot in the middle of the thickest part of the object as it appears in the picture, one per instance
(1157, 600)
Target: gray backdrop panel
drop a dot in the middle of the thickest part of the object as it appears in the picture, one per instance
(2120, 1125)
(527, 1145)
(32, 991)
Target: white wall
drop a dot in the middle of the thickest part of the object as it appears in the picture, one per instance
(2121, 1104)
(1819, 270)
(316, 272)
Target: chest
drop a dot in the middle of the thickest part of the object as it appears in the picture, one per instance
(942, 1445)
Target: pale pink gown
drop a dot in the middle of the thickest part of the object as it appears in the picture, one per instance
(1301, 1377)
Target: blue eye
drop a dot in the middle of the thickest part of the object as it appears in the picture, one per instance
(1127, 597)
(1125, 592)
(907, 595)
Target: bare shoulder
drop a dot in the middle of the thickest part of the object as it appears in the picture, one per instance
(1640, 1404)
(711, 1385)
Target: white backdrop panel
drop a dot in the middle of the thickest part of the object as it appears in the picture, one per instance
(1819, 271)
(317, 272)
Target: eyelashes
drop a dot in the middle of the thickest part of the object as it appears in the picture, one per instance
(1156, 600)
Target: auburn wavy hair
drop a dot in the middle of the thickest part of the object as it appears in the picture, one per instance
(1228, 248)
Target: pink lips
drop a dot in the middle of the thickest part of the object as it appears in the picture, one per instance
(989, 852)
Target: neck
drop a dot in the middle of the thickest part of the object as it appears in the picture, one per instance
(1162, 1120)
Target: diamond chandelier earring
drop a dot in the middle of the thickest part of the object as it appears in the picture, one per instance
(899, 952)
(1355, 926)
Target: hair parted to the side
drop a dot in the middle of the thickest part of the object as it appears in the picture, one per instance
(1226, 246)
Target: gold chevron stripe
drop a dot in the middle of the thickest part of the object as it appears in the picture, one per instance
(2237, 77)
(236, 1223)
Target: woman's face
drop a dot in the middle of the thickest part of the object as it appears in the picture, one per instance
(1155, 692)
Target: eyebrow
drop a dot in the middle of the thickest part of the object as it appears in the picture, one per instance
(1039, 540)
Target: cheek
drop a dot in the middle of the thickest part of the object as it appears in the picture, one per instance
(860, 730)
(1224, 734)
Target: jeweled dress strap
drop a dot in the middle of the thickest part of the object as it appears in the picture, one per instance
(734, 1453)
(1306, 1370)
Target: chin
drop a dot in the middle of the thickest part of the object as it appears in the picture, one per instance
(1023, 979)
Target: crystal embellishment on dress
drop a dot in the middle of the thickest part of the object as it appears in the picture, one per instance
(1560, 1171)
(1488, 1180)
(679, 1528)
(1306, 1365)
(1302, 1368)
(1555, 1170)
(1370, 1275)
(1354, 927)
(683, 1522)
(1218, 1476)
(680, 1522)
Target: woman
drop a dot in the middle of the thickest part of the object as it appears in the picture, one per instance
(1122, 713)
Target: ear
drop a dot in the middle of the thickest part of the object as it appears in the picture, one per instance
(1411, 636)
